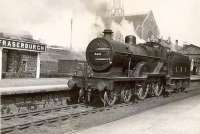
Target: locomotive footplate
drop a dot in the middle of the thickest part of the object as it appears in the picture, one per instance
(101, 83)
(109, 89)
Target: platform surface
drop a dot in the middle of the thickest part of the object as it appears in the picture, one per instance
(17, 86)
(45, 81)
(195, 77)
(32, 82)
(181, 117)
(31, 85)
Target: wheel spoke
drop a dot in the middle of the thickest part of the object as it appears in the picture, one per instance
(158, 88)
(126, 95)
(108, 97)
(142, 92)
(111, 99)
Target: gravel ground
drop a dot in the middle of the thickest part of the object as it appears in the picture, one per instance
(180, 117)
(77, 124)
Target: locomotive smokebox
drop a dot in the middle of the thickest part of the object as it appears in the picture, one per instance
(108, 34)
(130, 39)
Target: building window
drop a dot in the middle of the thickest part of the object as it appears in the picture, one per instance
(176, 69)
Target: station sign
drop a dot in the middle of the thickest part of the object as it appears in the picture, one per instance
(22, 45)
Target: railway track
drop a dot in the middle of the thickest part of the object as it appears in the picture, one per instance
(39, 112)
(30, 102)
(26, 120)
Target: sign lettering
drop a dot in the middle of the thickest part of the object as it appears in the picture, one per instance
(14, 44)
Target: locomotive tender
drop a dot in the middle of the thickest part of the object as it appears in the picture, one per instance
(121, 71)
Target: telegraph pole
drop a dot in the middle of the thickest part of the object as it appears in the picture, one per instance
(71, 28)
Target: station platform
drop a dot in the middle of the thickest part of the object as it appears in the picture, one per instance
(180, 117)
(17, 86)
(30, 85)
(195, 77)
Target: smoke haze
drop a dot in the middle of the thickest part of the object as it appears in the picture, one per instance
(49, 20)
(123, 29)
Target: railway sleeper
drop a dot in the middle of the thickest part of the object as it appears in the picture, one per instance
(19, 104)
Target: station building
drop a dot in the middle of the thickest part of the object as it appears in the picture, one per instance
(20, 56)
(193, 52)
(59, 62)
(144, 24)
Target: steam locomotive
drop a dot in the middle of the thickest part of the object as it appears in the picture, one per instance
(121, 71)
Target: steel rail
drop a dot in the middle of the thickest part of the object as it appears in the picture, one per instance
(52, 115)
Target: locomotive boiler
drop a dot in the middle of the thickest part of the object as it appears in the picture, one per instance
(121, 71)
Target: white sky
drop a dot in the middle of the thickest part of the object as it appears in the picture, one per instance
(179, 19)
(49, 20)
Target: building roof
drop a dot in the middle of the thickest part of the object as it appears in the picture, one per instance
(54, 54)
(141, 23)
(136, 19)
(191, 45)
(22, 37)
(23, 42)
(191, 49)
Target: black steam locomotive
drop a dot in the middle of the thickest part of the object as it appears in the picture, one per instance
(123, 70)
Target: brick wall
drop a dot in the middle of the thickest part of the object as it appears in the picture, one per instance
(4, 61)
(20, 64)
(69, 66)
(49, 67)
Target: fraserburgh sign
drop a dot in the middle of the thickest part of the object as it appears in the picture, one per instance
(22, 45)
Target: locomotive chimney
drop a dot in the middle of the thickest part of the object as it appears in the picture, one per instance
(108, 34)
(130, 39)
